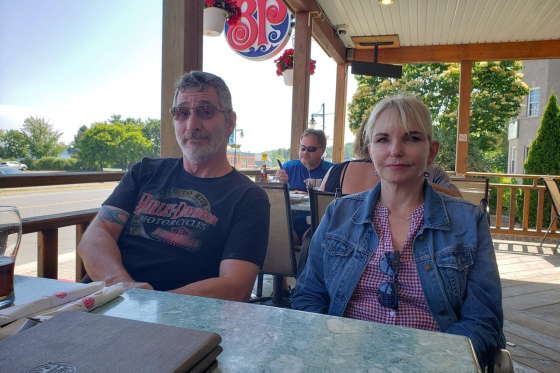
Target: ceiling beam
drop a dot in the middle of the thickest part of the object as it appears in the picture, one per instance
(322, 30)
(525, 50)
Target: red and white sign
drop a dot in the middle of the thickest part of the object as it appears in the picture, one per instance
(463, 137)
(263, 30)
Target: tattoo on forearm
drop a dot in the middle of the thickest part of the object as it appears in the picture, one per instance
(113, 216)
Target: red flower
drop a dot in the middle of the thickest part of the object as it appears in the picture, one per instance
(285, 61)
(209, 2)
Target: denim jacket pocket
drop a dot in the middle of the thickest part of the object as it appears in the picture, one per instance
(337, 252)
(454, 264)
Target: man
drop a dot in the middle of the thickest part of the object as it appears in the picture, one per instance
(312, 146)
(192, 225)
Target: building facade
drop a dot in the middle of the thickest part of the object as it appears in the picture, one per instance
(543, 78)
(239, 159)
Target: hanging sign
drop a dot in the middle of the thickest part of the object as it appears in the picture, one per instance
(262, 31)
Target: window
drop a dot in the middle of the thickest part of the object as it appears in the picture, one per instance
(512, 161)
(527, 147)
(533, 107)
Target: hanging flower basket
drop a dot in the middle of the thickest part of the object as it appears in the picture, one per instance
(285, 66)
(215, 14)
(288, 77)
(214, 20)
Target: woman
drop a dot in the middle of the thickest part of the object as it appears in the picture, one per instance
(426, 262)
(358, 175)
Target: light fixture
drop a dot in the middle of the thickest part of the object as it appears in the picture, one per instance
(312, 122)
(241, 134)
(386, 2)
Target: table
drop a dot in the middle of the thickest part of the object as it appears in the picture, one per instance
(303, 205)
(267, 339)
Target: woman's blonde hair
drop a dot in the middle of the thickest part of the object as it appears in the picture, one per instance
(360, 144)
(409, 108)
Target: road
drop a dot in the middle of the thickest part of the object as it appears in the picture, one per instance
(53, 200)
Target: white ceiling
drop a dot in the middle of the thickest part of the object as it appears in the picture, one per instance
(440, 22)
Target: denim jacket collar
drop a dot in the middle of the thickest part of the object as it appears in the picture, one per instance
(435, 214)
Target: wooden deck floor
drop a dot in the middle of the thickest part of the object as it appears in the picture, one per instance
(531, 300)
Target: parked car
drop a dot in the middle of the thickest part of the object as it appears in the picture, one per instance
(14, 164)
(9, 171)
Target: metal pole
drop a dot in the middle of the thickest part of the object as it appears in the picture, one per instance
(323, 117)
(235, 148)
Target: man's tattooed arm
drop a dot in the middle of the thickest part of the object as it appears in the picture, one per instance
(113, 216)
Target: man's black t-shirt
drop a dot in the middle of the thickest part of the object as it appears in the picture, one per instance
(181, 227)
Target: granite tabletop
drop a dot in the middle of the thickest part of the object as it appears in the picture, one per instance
(258, 338)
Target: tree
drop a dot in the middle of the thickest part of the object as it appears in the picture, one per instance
(543, 159)
(496, 96)
(105, 144)
(79, 136)
(152, 131)
(42, 138)
(13, 144)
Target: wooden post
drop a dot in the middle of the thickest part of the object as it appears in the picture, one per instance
(340, 113)
(80, 269)
(181, 52)
(300, 95)
(462, 147)
(47, 254)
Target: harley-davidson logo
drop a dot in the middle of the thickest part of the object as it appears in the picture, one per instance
(54, 368)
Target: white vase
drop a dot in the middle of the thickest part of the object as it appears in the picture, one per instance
(214, 19)
(288, 77)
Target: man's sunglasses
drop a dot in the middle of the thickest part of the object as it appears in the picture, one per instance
(387, 292)
(204, 112)
(310, 149)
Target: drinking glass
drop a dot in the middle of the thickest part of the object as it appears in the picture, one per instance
(10, 237)
(314, 183)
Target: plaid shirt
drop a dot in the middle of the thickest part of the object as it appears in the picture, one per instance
(413, 311)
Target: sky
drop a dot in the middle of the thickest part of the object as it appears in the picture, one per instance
(75, 63)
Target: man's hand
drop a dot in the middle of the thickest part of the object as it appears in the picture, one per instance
(282, 175)
(137, 285)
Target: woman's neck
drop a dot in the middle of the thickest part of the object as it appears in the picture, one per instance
(402, 199)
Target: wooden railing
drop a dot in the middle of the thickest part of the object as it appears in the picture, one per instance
(520, 227)
(47, 226)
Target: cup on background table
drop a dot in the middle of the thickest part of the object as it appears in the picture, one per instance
(10, 238)
(274, 179)
(314, 183)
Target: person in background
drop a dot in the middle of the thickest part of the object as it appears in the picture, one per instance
(312, 146)
(403, 253)
(182, 224)
(358, 175)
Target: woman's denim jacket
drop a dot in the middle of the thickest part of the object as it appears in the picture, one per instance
(454, 258)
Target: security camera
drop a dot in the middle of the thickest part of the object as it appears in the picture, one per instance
(341, 30)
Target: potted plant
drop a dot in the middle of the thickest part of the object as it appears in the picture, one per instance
(285, 66)
(215, 14)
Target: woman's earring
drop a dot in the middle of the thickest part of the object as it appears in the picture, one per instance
(375, 173)
(426, 173)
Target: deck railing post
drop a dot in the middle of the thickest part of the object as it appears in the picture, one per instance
(47, 253)
(80, 269)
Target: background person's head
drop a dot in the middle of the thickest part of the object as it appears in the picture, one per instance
(202, 136)
(400, 135)
(317, 142)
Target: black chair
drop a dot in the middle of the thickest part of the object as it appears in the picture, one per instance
(554, 193)
(281, 256)
(475, 190)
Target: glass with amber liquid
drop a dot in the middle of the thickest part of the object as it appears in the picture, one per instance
(10, 238)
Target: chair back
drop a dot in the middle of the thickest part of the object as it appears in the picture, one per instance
(318, 202)
(554, 192)
(473, 190)
(280, 254)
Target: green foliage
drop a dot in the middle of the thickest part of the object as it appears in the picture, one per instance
(57, 164)
(79, 136)
(42, 138)
(496, 95)
(14, 144)
(279, 154)
(543, 159)
(505, 194)
(151, 129)
(104, 144)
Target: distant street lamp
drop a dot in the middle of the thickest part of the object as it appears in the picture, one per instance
(321, 113)
(235, 147)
